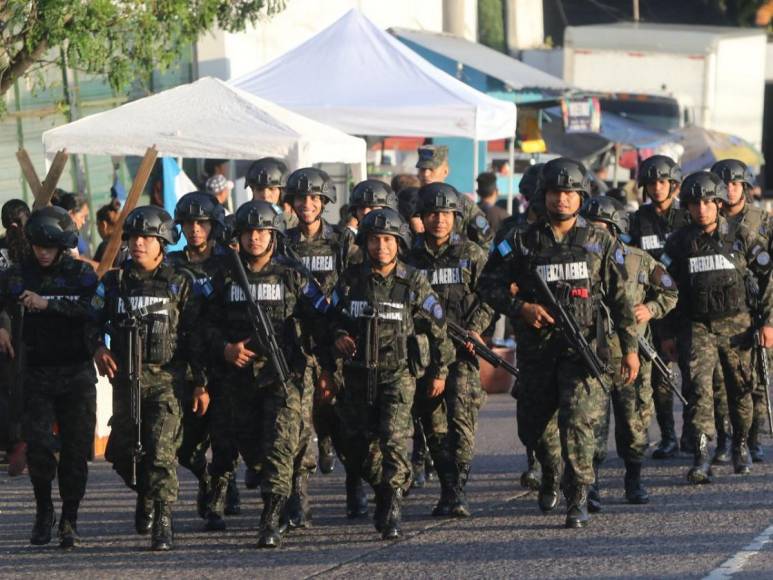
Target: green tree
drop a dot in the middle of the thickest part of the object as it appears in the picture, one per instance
(491, 26)
(124, 40)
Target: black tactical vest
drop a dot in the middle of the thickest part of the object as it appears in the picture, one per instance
(715, 268)
(322, 256)
(654, 229)
(50, 338)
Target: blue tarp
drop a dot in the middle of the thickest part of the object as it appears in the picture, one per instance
(618, 129)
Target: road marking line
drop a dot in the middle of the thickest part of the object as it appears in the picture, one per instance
(736, 562)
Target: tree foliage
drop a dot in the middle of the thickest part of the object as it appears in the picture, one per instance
(491, 26)
(124, 40)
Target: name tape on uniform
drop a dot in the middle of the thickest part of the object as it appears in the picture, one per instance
(710, 264)
(570, 271)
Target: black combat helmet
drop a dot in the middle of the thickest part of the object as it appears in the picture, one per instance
(200, 206)
(659, 167)
(608, 210)
(372, 193)
(311, 181)
(267, 172)
(384, 221)
(408, 202)
(439, 197)
(531, 181)
(259, 215)
(564, 174)
(733, 170)
(151, 220)
(51, 227)
(702, 185)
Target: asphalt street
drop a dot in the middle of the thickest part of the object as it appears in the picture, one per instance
(721, 529)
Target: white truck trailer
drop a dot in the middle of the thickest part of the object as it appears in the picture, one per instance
(716, 74)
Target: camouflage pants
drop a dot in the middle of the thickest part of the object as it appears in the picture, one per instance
(195, 439)
(161, 436)
(721, 412)
(267, 423)
(632, 406)
(66, 396)
(375, 438)
(464, 398)
(432, 414)
(548, 447)
(554, 384)
(702, 346)
(222, 436)
(305, 460)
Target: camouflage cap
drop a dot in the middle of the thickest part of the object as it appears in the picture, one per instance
(432, 156)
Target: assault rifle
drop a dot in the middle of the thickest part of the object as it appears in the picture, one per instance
(460, 336)
(570, 329)
(371, 353)
(649, 353)
(16, 407)
(261, 325)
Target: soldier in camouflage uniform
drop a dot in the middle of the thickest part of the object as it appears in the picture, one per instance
(268, 414)
(654, 295)
(377, 423)
(202, 220)
(453, 266)
(581, 264)
(54, 291)
(711, 261)
(433, 168)
(739, 181)
(323, 251)
(163, 300)
(651, 225)
(267, 179)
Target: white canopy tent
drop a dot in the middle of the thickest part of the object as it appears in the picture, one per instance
(208, 118)
(360, 79)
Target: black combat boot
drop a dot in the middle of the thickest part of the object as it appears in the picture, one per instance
(755, 447)
(419, 479)
(577, 507)
(251, 478)
(233, 500)
(356, 497)
(687, 441)
(68, 525)
(722, 452)
(203, 493)
(699, 472)
(594, 491)
(742, 461)
(297, 509)
(547, 498)
(216, 507)
(667, 447)
(530, 479)
(269, 535)
(162, 539)
(143, 515)
(392, 514)
(459, 508)
(444, 505)
(634, 490)
(44, 514)
(327, 456)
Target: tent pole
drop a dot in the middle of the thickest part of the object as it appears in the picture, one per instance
(475, 162)
(511, 151)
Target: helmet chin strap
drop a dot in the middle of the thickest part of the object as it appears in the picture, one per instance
(562, 217)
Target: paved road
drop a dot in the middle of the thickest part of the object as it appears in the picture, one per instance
(685, 532)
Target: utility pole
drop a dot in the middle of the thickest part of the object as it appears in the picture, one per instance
(636, 10)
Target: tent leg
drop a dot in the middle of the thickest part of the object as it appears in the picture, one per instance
(510, 192)
(475, 162)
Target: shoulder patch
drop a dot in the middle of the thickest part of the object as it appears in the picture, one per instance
(429, 303)
(642, 277)
(666, 281)
(593, 247)
(504, 248)
(481, 222)
(619, 256)
(666, 259)
(437, 312)
(763, 258)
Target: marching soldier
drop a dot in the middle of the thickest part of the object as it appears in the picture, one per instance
(580, 264)
(378, 307)
(201, 218)
(453, 266)
(149, 293)
(267, 178)
(651, 225)
(268, 413)
(433, 168)
(712, 261)
(51, 292)
(738, 209)
(654, 295)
